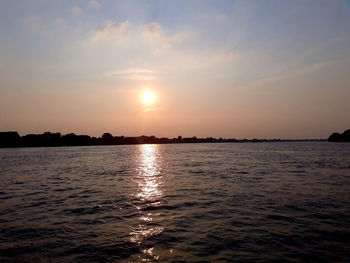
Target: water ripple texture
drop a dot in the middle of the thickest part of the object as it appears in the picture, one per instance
(239, 202)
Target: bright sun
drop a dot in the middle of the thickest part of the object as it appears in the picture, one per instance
(148, 97)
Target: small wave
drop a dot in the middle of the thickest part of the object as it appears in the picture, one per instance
(159, 207)
(295, 207)
(84, 210)
(280, 218)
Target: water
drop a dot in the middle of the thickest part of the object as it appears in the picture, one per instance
(239, 202)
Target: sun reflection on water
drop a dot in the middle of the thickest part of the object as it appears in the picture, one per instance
(149, 173)
(148, 194)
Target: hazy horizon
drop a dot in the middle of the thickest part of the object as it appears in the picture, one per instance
(231, 69)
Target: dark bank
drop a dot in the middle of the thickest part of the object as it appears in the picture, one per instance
(49, 139)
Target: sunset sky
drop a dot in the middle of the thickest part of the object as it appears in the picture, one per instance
(233, 69)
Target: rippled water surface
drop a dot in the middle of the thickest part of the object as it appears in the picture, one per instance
(238, 202)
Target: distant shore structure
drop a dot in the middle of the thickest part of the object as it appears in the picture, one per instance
(48, 139)
(340, 137)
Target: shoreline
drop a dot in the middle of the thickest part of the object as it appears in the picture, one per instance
(48, 139)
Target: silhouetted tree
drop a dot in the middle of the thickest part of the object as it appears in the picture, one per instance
(107, 138)
(337, 137)
(9, 139)
(12, 139)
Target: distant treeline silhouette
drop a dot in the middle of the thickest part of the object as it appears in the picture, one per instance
(47, 139)
(337, 137)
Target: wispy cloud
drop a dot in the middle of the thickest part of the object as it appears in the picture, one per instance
(58, 21)
(151, 109)
(133, 74)
(151, 34)
(153, 29)
(94, 4)
(76, 11)
(110, 29)
(154, 32)
(298, 73)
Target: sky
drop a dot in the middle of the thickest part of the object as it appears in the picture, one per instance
(231, 69)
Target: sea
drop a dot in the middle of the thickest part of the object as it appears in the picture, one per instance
(213, 202)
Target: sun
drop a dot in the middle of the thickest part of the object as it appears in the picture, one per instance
(148, 97)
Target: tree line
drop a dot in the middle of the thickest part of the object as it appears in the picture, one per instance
(47, 139)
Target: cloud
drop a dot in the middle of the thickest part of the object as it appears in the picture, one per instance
(298, 73)
(94, 4)
(134, 74)
(181, 37)
(150, 35)
(110, 29)
(154, 32)
(58, 21)
(151, 109)
(76, 11)
(154, 49)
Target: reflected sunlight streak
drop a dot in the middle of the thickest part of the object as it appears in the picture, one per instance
(148, 173)
(148, 194)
